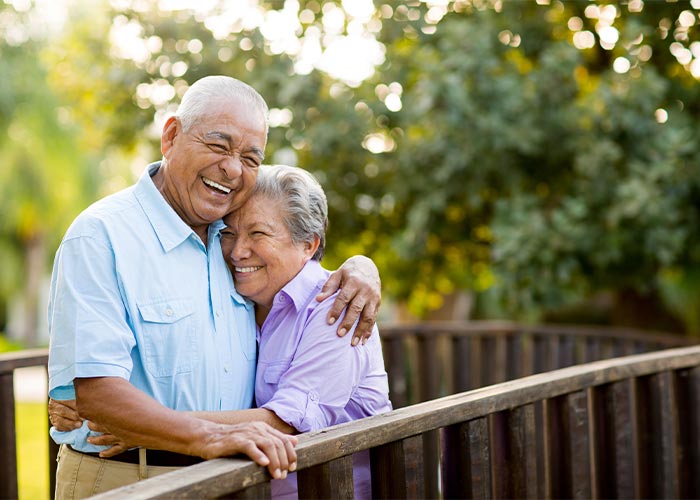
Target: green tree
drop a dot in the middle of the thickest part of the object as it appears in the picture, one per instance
(536, 153)
(43, 180)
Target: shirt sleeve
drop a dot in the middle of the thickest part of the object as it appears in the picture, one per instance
(322, 376)
(88, 325)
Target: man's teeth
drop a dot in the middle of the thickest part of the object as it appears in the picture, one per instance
(247, 269)
(216, 185)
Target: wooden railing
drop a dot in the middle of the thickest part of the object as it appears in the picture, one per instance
(9, 362)
(626, 427)
(425, 361)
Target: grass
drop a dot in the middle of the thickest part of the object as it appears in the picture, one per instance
(32, 451)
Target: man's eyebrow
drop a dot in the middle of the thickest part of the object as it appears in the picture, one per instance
(226, 137)
(219, 135)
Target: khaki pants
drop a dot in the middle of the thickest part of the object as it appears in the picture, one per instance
(80, 476)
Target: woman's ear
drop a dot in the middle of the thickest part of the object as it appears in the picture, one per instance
(310, 247)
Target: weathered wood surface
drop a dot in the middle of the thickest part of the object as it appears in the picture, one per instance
(429, 360)
(569, 420)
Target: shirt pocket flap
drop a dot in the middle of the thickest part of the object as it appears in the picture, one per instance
(165, 311)
(274, 372)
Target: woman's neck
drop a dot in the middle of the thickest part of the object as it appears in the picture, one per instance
(261, 313)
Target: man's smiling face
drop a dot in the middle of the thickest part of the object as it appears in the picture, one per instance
(210, 170)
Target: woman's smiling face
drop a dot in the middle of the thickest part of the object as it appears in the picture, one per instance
(259, 250)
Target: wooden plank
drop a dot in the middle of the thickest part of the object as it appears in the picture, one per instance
(688, 399)
(515, 355)
(499, 362)
(626, 443)
(455, 465)
(476, 362)
(579, 444)
(501, 470)
(557, 466)
(667, 446)
(397, 469)
(328, 444)
(566, 355)
(394, 359)
(8, 450)
(480, 459)
(10, 361)
(592, 350)
(256, 492)
(523, 453)
(461, 364)
(539, 354)
(489, 375)
(692, 440)
(429, 389)
(428, 368)
(602, 436)
(332, 479)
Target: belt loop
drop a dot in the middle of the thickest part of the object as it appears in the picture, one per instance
(143, 466)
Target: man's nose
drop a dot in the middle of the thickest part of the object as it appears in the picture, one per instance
(231, 167)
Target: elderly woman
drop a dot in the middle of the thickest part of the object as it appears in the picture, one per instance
(307, 378)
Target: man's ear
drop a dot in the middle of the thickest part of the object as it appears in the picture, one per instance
(171, 129)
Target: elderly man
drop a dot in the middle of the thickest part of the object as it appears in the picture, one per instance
(143, 315)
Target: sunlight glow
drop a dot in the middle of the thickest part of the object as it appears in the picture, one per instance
(621, 65)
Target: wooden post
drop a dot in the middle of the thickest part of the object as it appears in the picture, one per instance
(332, 479)
(397, 469)
(8, 450)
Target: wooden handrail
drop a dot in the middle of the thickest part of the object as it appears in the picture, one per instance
(417, 357)
(226, 476)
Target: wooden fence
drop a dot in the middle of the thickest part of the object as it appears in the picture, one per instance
(425, 361)
(626, 427)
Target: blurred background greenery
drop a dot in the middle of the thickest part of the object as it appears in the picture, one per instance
(528, 160)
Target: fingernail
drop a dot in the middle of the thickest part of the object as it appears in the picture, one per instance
(364, 341)
(342, 332)
(284, 474)
(355, 340)
(292, 467)
(331, 320)
(278, 474)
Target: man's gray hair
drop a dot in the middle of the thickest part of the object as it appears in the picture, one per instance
(304, 205)
(211, 91)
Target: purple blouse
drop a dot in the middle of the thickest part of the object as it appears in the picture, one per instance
(310, 377)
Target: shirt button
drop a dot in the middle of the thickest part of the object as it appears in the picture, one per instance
(226, 368)
(169, 312)
(218, 314)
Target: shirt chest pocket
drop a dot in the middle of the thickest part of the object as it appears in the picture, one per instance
(169, 337)
(273, 372)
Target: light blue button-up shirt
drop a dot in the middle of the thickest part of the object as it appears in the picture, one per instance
(135, 294)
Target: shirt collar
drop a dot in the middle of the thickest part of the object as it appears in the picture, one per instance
(170, 229)
(304, 284)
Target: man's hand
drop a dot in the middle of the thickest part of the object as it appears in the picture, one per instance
(63, 415)
(265, 445)
(360, 295)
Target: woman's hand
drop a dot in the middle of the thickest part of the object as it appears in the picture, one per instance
(360, 295)
(63, 415)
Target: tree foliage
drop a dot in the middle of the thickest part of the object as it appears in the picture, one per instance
(536, 151)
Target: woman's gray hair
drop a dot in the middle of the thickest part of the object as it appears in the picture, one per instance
(303, 202)
(210, 91)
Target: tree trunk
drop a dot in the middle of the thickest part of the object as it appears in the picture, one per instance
(35, 258)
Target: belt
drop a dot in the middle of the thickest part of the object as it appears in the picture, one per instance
(153, 457)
